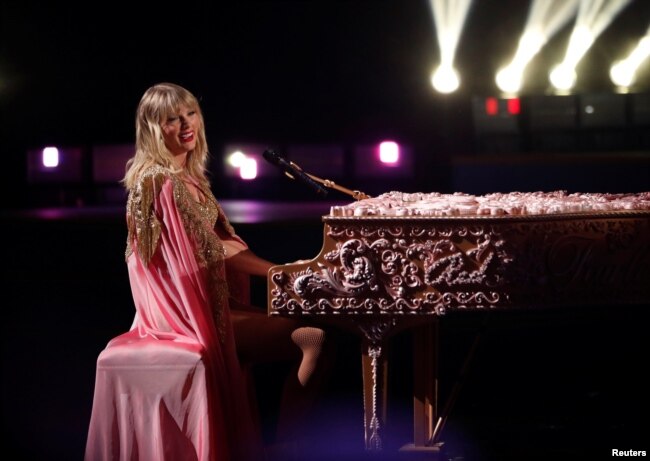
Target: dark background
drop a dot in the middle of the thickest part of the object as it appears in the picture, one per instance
(545, 386)
(287, 72)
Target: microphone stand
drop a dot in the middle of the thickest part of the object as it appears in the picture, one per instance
(357, 195)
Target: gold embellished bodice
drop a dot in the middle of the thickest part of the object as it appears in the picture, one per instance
(199, 217)
(199, 220)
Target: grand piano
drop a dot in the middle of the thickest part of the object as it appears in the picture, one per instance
(402, 260)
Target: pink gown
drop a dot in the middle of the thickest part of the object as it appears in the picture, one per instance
(172, 387)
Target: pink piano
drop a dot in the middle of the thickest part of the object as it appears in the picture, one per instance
(401, 260)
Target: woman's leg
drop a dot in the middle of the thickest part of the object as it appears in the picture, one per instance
(263, 339)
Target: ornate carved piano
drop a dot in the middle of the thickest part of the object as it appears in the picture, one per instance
(402, 260)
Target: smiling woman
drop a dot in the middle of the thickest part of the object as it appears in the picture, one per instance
(173, 385)
(178, 133)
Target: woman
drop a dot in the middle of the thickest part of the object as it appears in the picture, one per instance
(181, 253)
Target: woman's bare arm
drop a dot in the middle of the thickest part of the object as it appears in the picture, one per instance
(249, 263)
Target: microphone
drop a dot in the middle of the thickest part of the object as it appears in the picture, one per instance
(292, 170)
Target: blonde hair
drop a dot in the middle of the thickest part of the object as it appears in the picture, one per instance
(157, 103)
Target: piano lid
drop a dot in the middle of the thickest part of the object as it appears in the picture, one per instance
(402, 205)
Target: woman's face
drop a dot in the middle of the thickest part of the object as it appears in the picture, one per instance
(179, 131)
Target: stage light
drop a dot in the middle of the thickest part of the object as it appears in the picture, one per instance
(236, 159)
(623, 72)
(369, 162)
(51, 164)
(602, 110)
(449, 18)
(509, 78)
(514, 106)
(248, 168)
(492, 115)
(50, 157)
(545, 18)
(245, 161)
(593, 17)
(389, 152)
(491, 106)
(445, 79)
(563, 77)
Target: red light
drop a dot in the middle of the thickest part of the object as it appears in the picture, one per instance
(491, 106)
(514, 106)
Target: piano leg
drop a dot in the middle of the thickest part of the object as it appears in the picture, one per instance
(375, 384)
(425, 383)
(375, 374)
(425, 389)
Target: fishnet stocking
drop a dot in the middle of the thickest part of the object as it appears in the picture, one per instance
(310, 341)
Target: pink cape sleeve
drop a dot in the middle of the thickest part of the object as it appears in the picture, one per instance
(173, 384)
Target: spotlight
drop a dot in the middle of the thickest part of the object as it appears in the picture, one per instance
(236, 159)
(449, 17)
(623, 73)
(563, 77)
(244, 161)
(545, 18)
(593, 18)
(509, 79)
(445, 79)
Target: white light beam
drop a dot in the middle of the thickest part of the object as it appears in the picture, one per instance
(449, 18)
(545, 18)
(593, 17)
(623, 72)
